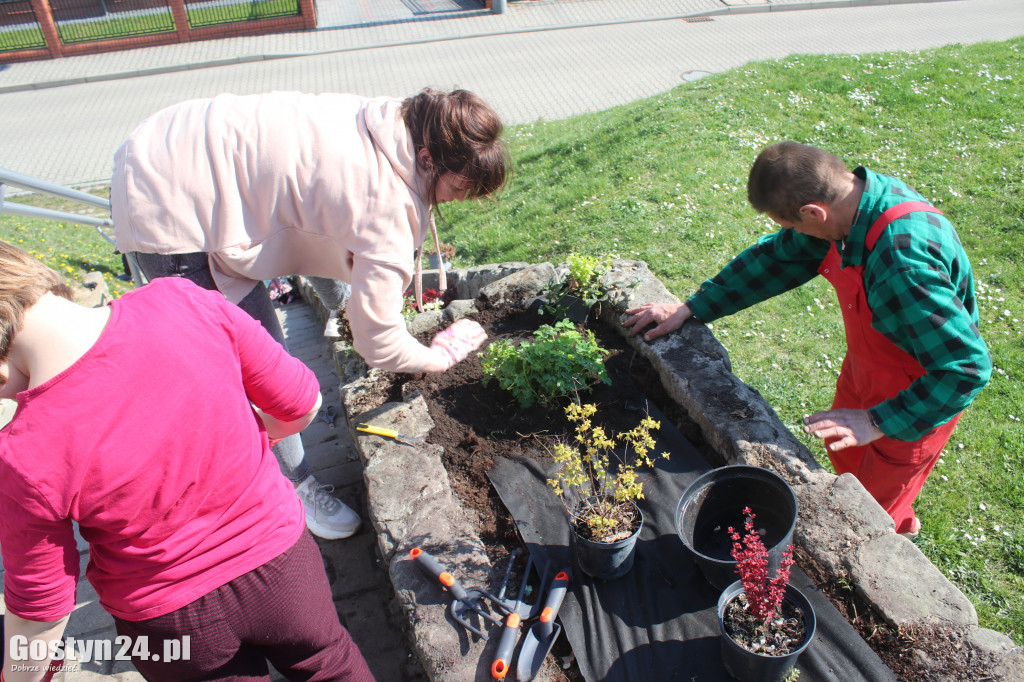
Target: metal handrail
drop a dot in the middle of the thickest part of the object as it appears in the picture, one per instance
(9, 177)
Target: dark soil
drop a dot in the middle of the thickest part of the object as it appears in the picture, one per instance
(477, 424)
(784, 636)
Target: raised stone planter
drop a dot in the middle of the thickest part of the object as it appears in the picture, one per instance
(841, 527)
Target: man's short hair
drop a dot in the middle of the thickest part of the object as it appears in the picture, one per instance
(788, 175)
(23, 281)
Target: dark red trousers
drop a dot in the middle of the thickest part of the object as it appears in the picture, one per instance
(893, 471)
(281, 612)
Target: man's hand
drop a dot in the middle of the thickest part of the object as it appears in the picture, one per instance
(667, 317)
(847, 428)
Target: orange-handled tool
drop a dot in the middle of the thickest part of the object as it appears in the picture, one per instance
(556, 593)
(463, 600)
(542, 635)
(506, 645)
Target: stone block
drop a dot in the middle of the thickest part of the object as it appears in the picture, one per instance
(836, 516)
(458, 309)
(447, 651)
(349, 364)
(468, 282)
(898, 580)
(425, 321)
(990, 641)
(521, 285)
(1011, 667)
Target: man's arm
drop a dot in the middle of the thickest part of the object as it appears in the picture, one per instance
(777, 263)
(920, 292)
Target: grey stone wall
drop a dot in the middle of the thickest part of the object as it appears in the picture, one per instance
(840, 526)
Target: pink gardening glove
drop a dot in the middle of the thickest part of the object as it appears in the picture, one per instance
(459, 340)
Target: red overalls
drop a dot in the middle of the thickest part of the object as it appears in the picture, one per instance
(875, 370)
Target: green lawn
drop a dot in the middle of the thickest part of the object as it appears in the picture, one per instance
(663, 180)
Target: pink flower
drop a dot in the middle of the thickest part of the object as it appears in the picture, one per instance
(763, 595)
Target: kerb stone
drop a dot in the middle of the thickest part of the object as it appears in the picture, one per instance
(905, 587)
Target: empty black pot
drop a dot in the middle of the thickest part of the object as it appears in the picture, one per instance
(714, 502)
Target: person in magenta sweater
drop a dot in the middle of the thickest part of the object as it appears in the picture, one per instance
(192, 528)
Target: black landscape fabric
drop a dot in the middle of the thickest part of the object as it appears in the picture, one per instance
(659, 621)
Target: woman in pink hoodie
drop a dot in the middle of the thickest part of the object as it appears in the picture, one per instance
(234, 190)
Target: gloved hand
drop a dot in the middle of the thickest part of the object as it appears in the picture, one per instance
(458, 341)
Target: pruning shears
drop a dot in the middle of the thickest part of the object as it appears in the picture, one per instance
(390, 433)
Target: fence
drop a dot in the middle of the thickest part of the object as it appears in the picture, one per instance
(43, 29)
(9, 177)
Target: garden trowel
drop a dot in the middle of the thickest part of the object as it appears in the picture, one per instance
(516, 612)
(542, 635)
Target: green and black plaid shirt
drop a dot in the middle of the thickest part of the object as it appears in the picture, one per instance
(919, 287)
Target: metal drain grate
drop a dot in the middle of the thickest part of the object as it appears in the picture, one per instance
(696, 20)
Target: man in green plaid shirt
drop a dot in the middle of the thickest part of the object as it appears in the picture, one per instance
(915, 358)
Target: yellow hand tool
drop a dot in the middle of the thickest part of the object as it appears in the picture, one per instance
(389, 433)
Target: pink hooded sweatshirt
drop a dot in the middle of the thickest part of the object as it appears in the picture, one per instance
(279, 184)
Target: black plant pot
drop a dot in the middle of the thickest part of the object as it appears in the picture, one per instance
(572, 308)
(714, 502)
(748, 666)
(605, 560)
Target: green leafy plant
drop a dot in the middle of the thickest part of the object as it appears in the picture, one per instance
(560, 362)
(582, 283)
(604, 483)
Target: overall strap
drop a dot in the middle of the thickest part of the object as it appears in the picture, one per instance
(895, 213)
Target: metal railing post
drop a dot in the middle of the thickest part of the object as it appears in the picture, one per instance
(9, 177)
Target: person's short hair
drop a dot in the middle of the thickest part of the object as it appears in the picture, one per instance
(788, 175)
(462, 134)
(23, 281)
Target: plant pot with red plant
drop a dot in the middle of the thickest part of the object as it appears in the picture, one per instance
(765, 622)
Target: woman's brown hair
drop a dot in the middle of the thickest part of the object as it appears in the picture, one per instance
(462, 134)
(788, 175)
(23, 281)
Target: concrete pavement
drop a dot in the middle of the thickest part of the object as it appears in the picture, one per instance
(68, 134)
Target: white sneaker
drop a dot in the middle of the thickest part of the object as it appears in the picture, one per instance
(327, 517)
(331, 328)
